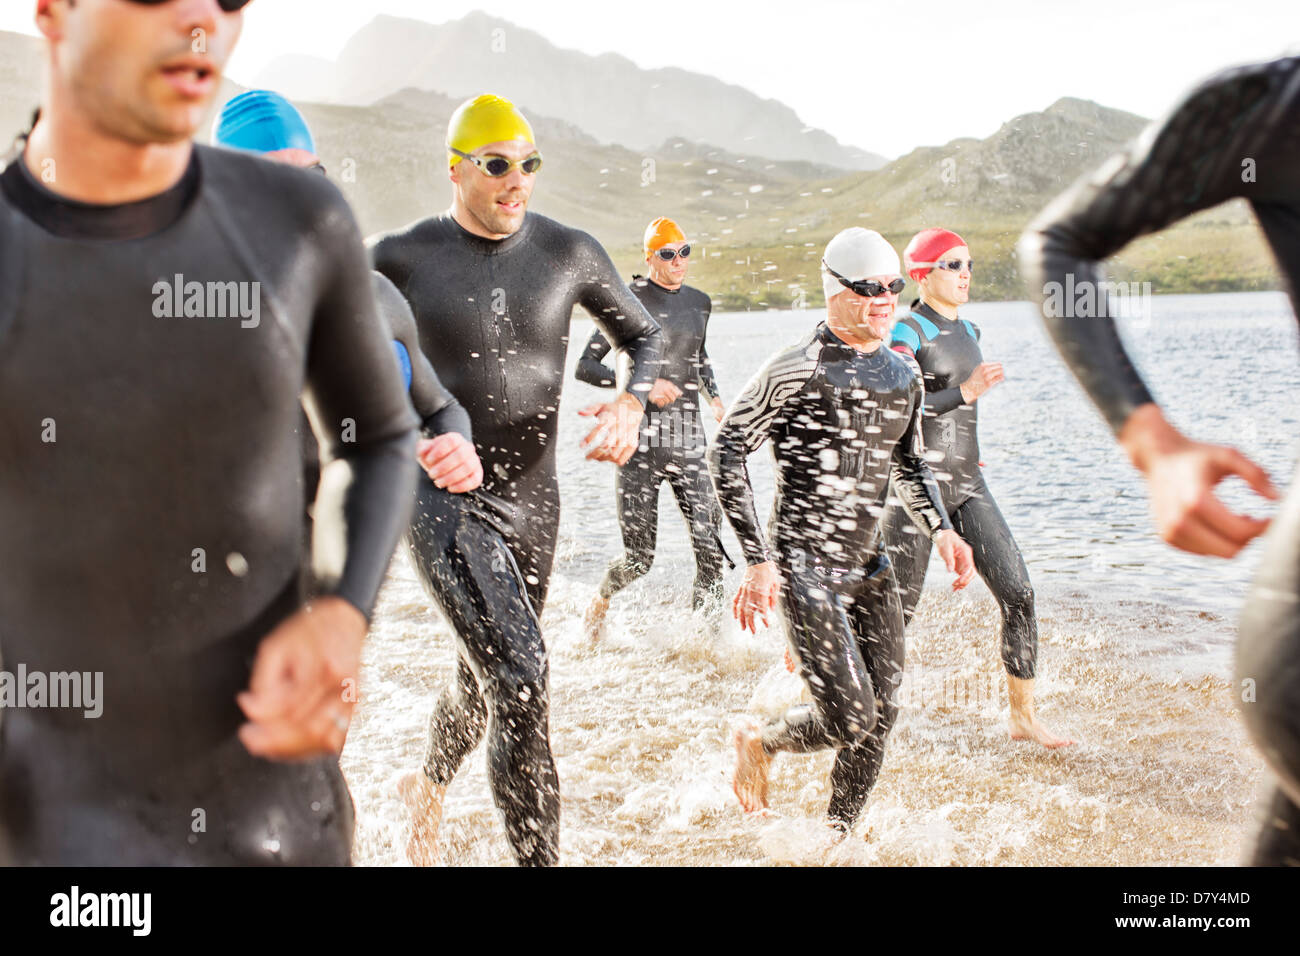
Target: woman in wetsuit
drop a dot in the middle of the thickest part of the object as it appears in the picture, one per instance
(948, 352)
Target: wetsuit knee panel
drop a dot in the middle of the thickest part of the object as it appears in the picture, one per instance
(517, 685)
(851, 720)
(1021, 597)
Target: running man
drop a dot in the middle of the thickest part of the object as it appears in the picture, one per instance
(264, 122)
(493, 287)
(167, 307)
(1235, 135)
(947, 349)
(672, 443)
(843, 413)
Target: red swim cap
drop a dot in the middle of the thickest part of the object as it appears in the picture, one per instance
(925, 249)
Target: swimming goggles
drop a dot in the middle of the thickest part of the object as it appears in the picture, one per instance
(498, 166)
(869, 288)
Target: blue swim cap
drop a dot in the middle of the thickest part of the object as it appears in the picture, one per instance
(260, 121)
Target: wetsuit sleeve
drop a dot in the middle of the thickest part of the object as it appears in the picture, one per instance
(590, 367)
(1198, 157)
(912, 479)
(621, 316)
(708, 381)
(363, 420)
(943, 401)
(743, 431)
(438, 409)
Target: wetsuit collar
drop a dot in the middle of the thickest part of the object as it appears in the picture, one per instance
(70, 219)
(492, 247)
(920, 308)
(827, 337)
(662, 288)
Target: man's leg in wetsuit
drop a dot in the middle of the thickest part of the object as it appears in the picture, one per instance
(637, 495)
(688, 476)
(1268, 679)
(848, 634)
(909, 553)
(877, 619)
(502, 671)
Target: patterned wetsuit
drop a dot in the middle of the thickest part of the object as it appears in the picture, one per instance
(842, 424)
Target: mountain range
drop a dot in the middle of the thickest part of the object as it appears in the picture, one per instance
(608, 96)
(758, 223)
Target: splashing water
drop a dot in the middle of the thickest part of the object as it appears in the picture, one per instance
(1134, 663)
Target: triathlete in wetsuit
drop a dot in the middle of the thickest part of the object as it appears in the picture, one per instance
(1235, 135)
(672, 444)
(265, 123)
(156, 335)
(843, 413)
(948, 352)
(492, 289)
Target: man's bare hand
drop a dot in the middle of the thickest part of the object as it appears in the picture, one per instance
(303, 687)
(757, 596)
(719, 410)
(985, 376)
(451, 461)
(617, 431)
(1181, 476)
(957, 557)
(663, 393)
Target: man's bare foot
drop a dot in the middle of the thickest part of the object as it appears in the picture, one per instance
(752, 765)
(1033, 729)
(1024, 725)
(593, 621)
(423, 798)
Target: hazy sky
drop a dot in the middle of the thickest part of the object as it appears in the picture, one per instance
(874, 73)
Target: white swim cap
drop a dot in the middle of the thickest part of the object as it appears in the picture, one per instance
(857, 253)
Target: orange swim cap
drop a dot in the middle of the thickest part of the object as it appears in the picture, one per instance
(661, 232)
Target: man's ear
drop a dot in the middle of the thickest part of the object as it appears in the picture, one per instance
(50, 15)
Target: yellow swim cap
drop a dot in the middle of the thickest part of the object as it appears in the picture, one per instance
(482, 120)
(661, 232)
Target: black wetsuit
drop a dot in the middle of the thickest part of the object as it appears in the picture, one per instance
(672, 444)
(842, 423)
(150, 502)
(947, 351)
(438, 409)
(1235, 135)
(493, 317)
